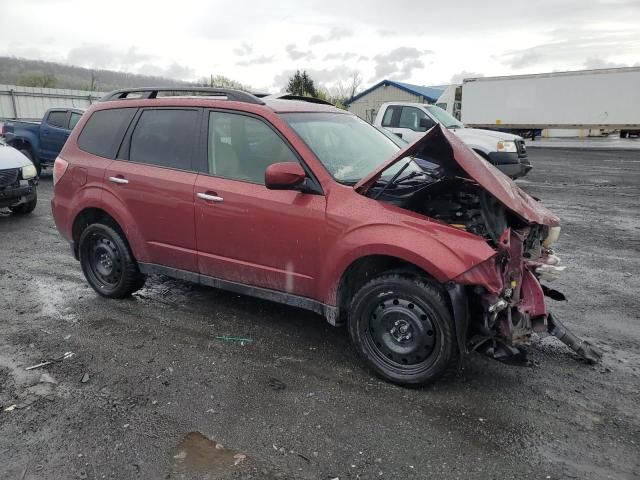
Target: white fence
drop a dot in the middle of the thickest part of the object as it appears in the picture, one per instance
(30, 103)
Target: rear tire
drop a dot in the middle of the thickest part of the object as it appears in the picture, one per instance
(402, 328)
(107, 262)
(623, 134)
(25, 208)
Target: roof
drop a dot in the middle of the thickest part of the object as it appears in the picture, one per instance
(291, 106)
(431, 94)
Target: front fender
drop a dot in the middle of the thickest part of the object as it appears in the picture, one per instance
(25, 136)
(440, 250)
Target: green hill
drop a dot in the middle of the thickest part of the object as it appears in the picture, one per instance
(37, 73)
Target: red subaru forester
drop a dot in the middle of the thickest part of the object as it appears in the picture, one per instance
(426, 251)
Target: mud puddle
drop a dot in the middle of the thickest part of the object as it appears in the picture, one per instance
(198, 453)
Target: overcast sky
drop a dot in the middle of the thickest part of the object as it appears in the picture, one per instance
(260, 43)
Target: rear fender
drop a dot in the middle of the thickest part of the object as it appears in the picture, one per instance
(118, 210)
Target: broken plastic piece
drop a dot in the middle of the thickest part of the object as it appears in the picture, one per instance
(586, 350)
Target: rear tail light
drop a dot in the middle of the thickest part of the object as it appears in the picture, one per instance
(59, 169)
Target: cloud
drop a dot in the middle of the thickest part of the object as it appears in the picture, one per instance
(261, 60)
(244, 49)
(339, 56)
(567, 47)
(593, 63)
(399, 63)
(106, 57)
(325, 77)
(295, 54)
(336, 33)
(458, 77)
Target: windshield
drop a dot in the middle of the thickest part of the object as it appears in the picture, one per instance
(347, 146)
(444, 118)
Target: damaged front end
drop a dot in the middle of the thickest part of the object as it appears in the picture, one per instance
(508, 300)
(506, 297)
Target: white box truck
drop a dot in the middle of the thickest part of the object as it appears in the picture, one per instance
(587, 99)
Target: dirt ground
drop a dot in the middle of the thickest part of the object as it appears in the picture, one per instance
(151, 393)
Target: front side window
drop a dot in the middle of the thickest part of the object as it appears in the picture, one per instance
(387, 120)
(411, 117)
(74, 119)
(165, 138)
(57, 119)
(347, 146)
(103, 132)
(242, 147)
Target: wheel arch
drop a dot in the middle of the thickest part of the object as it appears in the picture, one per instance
(94, 214)
(363, 269)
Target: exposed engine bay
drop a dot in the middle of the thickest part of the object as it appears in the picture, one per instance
(504, 295)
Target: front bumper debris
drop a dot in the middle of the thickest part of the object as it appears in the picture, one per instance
(586, 350)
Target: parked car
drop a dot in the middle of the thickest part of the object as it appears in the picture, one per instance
(17, 181)
(425, 252)
(42, 141)
(411, 121)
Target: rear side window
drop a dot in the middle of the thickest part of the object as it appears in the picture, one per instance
(165, 138)
(57, 119)
(103, 132)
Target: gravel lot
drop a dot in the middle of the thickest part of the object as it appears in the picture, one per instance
(150, 390)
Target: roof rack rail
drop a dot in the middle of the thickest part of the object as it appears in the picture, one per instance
(301, 98)
(152, 92)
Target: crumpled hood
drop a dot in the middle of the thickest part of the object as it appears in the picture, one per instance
(448, 150)
(12, 158)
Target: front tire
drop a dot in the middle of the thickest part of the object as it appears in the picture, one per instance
(402, 328)
(107, 262)
(25, 208)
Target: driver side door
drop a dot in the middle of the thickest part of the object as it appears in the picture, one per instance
(245, 232)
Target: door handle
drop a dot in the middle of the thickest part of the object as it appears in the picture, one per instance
(399, 135)
(210, 197)
(119, 180)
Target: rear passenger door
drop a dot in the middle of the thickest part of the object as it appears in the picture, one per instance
(153, 179)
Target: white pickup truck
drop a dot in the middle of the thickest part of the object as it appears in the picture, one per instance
(410, 121)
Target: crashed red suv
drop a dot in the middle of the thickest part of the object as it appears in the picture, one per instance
(426, 252)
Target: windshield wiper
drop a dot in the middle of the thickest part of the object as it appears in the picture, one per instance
(392, 181)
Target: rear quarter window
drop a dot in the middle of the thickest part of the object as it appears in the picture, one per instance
(103, 132)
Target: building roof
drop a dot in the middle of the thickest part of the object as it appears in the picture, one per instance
(429, 93)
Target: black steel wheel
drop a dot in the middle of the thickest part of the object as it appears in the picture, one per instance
(402, 327)
(107, 262)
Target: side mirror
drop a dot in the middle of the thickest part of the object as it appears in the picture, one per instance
(284, 176)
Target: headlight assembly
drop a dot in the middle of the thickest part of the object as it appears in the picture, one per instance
(507, 146)
(29, 172)
(552, 237)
